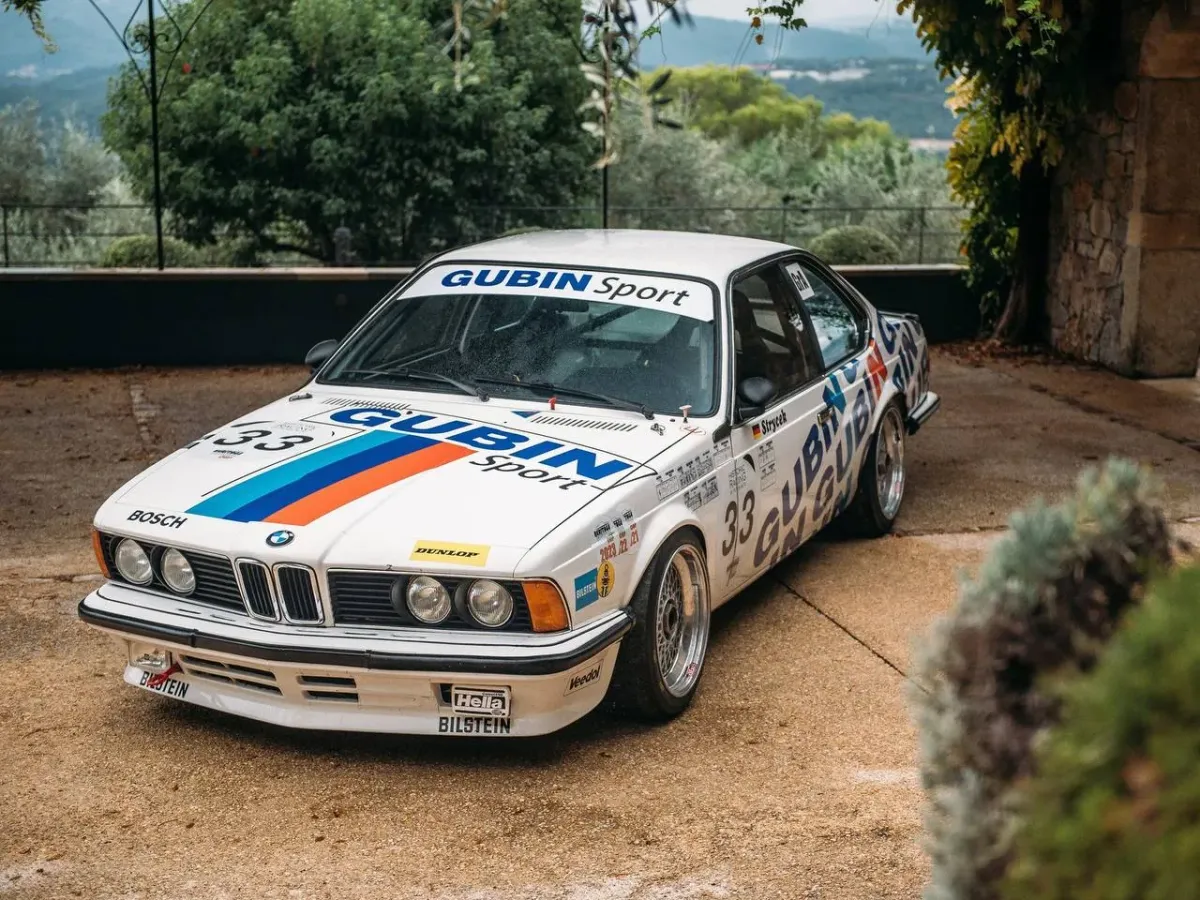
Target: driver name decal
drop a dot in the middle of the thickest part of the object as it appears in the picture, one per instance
(673, 294)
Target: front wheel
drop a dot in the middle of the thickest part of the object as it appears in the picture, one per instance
(876, 505)
(660, 660)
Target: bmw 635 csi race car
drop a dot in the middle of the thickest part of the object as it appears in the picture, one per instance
(521, 484)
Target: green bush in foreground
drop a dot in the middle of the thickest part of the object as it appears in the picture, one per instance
(1113, 812)
(856, 245)
(140, 251)
(1047, 599)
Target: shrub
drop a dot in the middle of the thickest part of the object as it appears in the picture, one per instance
(1046, 600)
(1113, 812)
(856, 245)
(140, 251)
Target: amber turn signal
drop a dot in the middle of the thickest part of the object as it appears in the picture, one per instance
(99, 550)
(547, 609)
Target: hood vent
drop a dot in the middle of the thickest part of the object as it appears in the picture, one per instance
(600, 424)
(343, 402)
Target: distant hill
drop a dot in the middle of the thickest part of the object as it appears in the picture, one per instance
(906, 94)
(726, 42)
(81, 96)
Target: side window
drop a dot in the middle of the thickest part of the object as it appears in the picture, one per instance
(838, 326)
(767, 332)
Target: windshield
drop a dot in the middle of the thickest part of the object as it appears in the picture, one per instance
(619, 339)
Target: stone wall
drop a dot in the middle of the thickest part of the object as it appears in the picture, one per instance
(1125, 260)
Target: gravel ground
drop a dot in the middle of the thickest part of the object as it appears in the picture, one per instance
(792, 776)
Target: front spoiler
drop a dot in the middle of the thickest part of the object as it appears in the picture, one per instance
(923, 411)
(134, 614)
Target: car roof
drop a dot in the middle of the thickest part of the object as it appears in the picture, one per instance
(711, 256)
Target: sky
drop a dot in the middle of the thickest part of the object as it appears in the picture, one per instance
(816, 12)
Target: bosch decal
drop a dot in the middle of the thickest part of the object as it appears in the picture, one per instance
(153, 518)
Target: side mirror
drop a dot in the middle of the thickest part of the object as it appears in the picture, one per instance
(320, 354)
(754, 394)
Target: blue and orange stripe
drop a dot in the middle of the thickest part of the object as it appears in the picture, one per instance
(302, 490)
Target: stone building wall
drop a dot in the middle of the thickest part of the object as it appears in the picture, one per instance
(1124, 282)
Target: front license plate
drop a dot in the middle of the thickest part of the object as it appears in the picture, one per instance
(170, 687)
(474, 701)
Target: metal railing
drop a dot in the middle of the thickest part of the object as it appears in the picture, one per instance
(78, 236)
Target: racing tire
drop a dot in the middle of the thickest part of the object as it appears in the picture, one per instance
(659, 664)
(876, 504)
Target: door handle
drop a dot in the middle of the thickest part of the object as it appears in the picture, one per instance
(824, 415)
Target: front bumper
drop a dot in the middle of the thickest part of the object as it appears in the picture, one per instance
(360, 679)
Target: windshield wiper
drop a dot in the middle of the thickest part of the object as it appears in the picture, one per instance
(550, 388)
(405, 373)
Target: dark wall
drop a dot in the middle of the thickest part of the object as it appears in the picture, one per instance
(63, 319)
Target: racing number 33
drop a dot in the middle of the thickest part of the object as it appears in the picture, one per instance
(282, 442)
(737, 537)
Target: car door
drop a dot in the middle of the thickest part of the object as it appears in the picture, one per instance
(768, 333)
(852, 376)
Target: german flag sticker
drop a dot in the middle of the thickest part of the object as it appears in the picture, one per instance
(756, 430)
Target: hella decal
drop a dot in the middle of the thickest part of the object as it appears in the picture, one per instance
(461, 554)
(153, 518)
(547, 454)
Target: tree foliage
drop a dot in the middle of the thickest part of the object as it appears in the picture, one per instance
(856, 245)
(1047, 599)
(292, 118)
(1113, 812)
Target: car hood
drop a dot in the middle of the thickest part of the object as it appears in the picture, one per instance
(374, 477)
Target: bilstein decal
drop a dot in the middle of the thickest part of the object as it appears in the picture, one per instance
(459, 554)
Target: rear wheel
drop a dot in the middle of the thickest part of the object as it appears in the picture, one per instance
(659, 664)
(880, 492)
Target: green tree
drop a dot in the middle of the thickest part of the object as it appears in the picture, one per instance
(292, 118)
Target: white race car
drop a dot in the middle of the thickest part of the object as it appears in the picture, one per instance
(521, 484)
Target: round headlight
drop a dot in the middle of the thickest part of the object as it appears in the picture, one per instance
(177, 572)
(133, 563)
(428, 600)
(490, 604)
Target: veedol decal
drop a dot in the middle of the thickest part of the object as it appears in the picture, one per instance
(394, 447)
(677, 295)
(153, 518)
(583, 678)
(460, 554)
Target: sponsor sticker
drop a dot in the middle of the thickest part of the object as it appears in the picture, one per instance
(765, 458)
(585, 589)
(460, 554)
(481, 701)
(606, 576)
(583, 677)
(620, 542)
(722, 453)
(170, 687)
(702, 494)
(674, 480)
(764, 427)
(164, 520)
(800, 280)
(673, 294)
(471, 725)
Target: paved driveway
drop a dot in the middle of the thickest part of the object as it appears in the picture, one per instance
(791, 777)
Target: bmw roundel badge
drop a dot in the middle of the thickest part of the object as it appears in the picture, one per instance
(279, 538)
